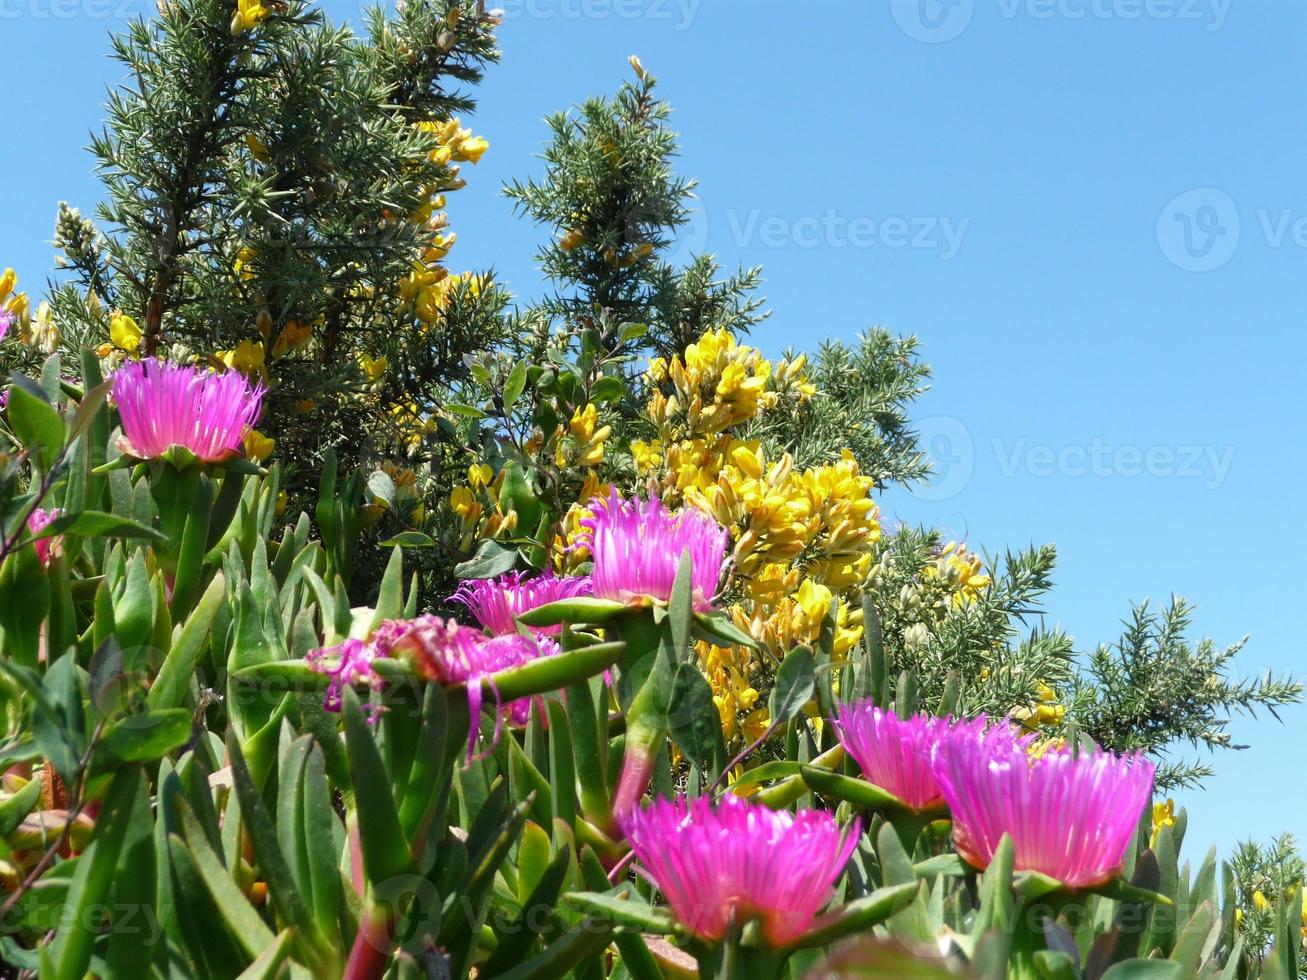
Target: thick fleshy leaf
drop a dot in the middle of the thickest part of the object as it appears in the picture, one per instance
(579, 609)
(858, 915)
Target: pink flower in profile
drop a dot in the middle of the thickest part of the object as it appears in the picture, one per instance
(740, 861)
(163, 405)
(496, 603)
(1070, 816)
(448, 653)
(347, 664)
(637, 546)
(894, 753)
(6, 321)
(47, 549)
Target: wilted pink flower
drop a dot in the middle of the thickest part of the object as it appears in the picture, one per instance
(637, 546)
(47, 549)
(496, 603)
(1070, 816)
(163, 405)
(740, 861)
(894, 753)
(347, 664)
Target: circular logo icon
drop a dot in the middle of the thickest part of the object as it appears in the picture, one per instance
(951, 453)
(1198, 231)
(932, 21)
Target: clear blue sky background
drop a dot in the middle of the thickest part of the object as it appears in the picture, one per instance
(1087, 323)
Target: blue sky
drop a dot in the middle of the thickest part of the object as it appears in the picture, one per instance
(1092, 212)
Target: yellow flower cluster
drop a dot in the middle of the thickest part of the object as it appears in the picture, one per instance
(582, 442)
(482, 512)
(456, 144)
(408, 497)
(410, 425)
(960, 573)
(39, 330)
(1047, 711)
(803, 541)
(737, 700)
(718, 384)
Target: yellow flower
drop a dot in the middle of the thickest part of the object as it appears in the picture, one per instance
(244, 261)
(1163, 816)
(258, 447)
(258, 149)
(249, 14)
(583, 423)
(19, 307)
(572, 239)
(247, 357)
(293, 336)
(7, 283)
(1260, 901)
(374, 368)
(124, 332)
(814, 599)
(479, 475)
(472, 149)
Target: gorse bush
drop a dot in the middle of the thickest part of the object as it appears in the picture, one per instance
(358, 621)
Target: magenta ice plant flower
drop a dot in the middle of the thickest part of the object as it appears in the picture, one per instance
(894, 753)
(47, 549)
(164, 405)
(6, 321)
(441, 650)
(740, 861)
(1070, 816)
(347, 664)
(496, 603)
(637, 545)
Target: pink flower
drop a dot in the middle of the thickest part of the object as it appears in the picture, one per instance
(6, 321)
(1070, 817)
(47, 549)
(163, 405)
(637, 546)
(441, 650)
(894, 753)
(347, 664)
(740, 861)
(496, 603)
